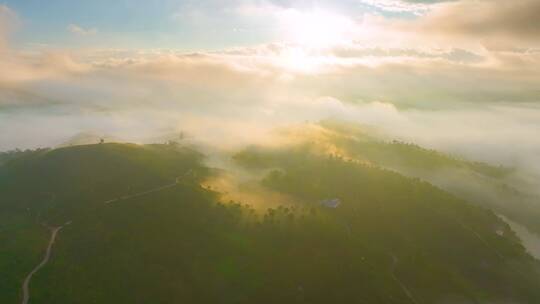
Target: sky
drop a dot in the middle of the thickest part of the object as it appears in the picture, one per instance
(180, 24)
(459, 76)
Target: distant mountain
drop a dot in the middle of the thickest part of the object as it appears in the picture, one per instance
(139, 227)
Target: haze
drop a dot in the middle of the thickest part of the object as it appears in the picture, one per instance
(270, 151)
(461, 76)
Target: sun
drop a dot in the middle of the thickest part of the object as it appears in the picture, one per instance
(308, 34)
(316, 28)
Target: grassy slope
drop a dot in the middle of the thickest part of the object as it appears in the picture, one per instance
(51, 187)
(181, 245)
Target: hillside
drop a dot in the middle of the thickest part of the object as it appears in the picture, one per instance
(408, 218)
(493, 187)
(138, 227)
(49, 187)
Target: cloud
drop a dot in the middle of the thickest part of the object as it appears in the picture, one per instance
(45, 66)
(18, 67)
(468, 100)
(418, 78)
(220, 95)
(8, 21)
(428, 1)
(494, 21)
(8, 18)
(78, 30)
(415, 7)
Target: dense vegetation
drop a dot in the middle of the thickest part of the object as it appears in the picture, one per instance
(412, 220)
(480, 183)
(47, 188)
(392, 240)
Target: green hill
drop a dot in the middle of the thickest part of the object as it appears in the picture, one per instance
(50, 187)
(143, 230)
(493, 187)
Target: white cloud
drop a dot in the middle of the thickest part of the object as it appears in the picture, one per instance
(8, 20)
(78, 30)
(417, 8)
(493, 24)
(473, 101)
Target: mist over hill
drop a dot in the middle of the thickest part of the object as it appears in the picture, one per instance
(164, 222)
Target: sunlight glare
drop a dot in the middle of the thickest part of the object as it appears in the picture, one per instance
(316, 29)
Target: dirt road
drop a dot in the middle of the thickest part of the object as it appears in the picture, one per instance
(26, 283)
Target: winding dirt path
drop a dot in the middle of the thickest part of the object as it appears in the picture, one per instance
(26, 283)
(177, 181)
(56, 230)
(126, 197)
